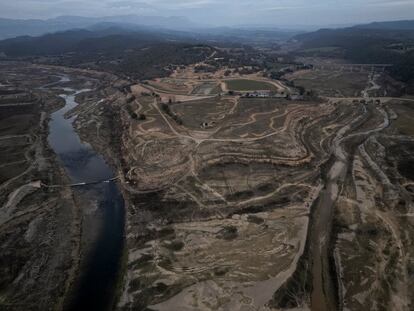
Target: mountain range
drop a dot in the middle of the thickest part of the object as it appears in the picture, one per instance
(10, 28)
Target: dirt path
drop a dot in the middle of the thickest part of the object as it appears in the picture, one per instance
(15, 198)
(198, 141)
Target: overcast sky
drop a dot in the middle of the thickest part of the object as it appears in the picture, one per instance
(222, 12)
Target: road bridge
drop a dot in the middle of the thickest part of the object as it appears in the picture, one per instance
(81, 184)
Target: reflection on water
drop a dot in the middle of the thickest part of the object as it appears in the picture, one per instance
(79, 159)
(96, 286)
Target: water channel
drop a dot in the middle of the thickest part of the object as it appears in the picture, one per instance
(96, 284)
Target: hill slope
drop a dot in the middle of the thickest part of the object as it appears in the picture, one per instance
(391, 25)
(104, 40)
(10, 28)
(142, 54)
(366, 44)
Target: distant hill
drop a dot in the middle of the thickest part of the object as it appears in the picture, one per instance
(10, 28)
(142, 53)
(50, 44)
(105, 38)
(392, 25)
(113, 36)
(252, 35)
(346, 37)
(386, 42)
(388, 31)
(108, 38)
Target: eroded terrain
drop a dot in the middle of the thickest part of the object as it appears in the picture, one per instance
(246, 204)
(236, 202)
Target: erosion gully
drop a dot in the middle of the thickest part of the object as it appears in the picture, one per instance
(99, 272)
(323, 296)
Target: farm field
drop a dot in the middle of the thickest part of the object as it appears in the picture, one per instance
(207, 88)
(249, 85)
(331, 83)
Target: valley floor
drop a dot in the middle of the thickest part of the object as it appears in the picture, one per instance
(232, 203)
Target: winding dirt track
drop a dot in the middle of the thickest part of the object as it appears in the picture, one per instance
(323, 295)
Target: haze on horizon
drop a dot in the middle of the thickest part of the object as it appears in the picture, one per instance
(222, 12)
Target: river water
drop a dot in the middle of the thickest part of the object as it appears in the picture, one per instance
(96, 285)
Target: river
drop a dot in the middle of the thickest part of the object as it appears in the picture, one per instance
(96, 285)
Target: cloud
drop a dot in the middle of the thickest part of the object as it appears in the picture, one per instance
(388, 3)
(221, 12)
(128, 4)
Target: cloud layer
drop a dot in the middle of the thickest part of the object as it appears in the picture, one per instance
(222, 12)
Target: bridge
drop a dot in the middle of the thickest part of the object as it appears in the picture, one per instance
(81, 184)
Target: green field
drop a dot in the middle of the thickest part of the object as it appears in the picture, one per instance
(249, 85)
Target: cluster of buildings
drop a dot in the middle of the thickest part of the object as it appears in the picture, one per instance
(269, 94)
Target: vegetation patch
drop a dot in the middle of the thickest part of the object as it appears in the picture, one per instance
(249, 85)
(404, 123)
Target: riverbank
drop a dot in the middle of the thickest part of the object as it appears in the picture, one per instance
(39, 228)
